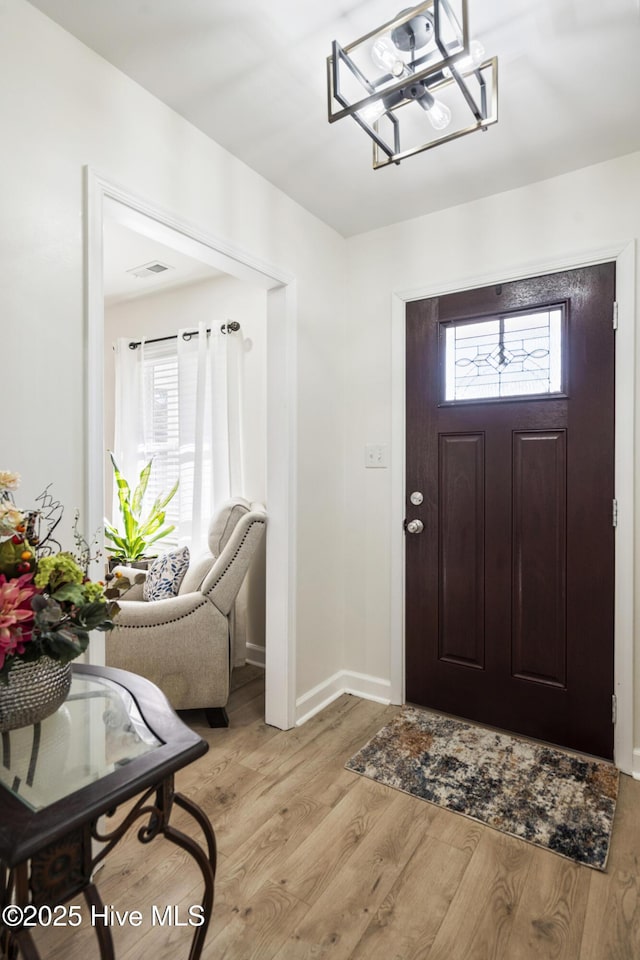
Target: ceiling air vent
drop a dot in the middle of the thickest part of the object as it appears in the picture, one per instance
(150, 269)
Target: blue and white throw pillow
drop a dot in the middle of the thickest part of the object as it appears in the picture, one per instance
(165, 575)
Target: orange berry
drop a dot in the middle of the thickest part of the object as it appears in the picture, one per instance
(26, 555)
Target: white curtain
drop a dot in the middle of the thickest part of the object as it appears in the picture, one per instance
(209, 423)
(128, 446)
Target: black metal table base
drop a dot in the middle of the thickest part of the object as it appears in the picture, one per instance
(65, 868)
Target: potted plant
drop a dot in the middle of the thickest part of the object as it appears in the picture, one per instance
(130, 545)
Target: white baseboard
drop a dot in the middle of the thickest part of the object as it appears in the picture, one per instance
(256, 655)
(636, 764)
(345, 681)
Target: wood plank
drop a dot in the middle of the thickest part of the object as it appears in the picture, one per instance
(340, 915)
(294, 774)
(287, 742)
(612, 922)
(258, 930)
(331, 783)
(478, 924)
(247, 732)
(263, 851)
(458, 831)
(550, 915)
(310, 869)
(339, 743)
(408, 919)
(216, 787)
(241, 676)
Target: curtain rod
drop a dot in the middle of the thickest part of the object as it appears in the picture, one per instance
(232, 326)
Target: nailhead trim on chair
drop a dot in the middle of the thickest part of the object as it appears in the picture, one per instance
(228, 566)
(144, 626)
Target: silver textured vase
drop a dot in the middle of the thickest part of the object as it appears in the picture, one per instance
(35, 689)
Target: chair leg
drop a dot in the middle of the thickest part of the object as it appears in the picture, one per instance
(217, 717)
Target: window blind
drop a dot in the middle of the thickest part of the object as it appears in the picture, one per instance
(160, 438)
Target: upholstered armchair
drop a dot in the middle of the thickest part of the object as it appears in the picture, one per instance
(185, 643)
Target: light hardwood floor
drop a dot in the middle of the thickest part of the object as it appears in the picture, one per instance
(316, 862)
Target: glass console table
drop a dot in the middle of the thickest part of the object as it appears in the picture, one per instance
(114, 739)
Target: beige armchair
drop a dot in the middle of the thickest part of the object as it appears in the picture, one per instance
(185, 644)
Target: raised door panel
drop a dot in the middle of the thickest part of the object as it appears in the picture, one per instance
(461, 549)
(539, 594)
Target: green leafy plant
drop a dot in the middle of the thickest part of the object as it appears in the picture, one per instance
(138, 532)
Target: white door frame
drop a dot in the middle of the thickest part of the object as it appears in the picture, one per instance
(624, 617)
(103, 197)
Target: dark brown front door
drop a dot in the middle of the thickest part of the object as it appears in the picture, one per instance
(509, 436)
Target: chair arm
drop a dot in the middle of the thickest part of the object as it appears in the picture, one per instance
(157, 613)
(222, 583)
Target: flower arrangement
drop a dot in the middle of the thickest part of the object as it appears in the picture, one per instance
(48, 605)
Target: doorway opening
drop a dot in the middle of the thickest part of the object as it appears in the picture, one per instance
(510, 439)
(108, 203)
(624, 255)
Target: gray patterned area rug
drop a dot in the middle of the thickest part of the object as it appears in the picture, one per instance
(557, 800)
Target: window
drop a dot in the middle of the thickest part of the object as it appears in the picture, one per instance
(507, 356)
(179, 400)
(160, 438)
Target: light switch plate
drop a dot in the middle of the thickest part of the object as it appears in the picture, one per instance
(376, 455)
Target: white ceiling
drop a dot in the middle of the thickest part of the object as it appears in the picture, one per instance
(252, 75)
(125, 250)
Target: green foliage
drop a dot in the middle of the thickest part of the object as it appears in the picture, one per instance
(56, 570)
(137, 533)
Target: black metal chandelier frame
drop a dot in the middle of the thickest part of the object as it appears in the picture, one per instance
(446, 63)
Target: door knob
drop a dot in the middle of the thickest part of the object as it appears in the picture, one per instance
(415, 526)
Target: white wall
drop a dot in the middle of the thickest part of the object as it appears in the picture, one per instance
(62, 107)
(503, 236)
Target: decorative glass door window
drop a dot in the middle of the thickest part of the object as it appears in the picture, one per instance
(509, 356)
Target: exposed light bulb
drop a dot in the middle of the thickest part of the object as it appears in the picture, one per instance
(472, 62)
(476, 53)
(438, 113)
(372, 112)
(384, 54)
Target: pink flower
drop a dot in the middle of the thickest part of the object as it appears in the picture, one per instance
(16, 615)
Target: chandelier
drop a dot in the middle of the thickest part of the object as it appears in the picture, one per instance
(415, 82)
